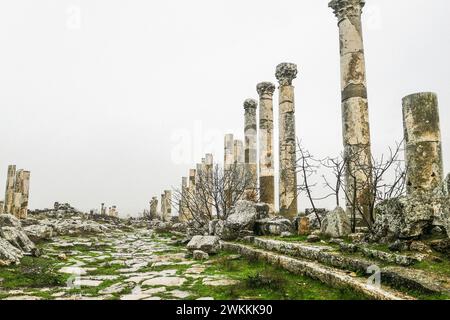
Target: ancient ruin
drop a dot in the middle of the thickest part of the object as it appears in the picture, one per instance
(386, 238)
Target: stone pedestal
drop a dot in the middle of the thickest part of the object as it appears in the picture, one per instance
(286, 73)
(266, 165)
(423, 148)
(355, 114)
(250, 132)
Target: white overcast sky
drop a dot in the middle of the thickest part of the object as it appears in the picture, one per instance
(95, 94)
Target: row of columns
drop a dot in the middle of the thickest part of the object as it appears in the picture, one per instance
(16, 193)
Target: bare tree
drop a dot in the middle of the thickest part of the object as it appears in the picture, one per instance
(307, 166)
(216, 191)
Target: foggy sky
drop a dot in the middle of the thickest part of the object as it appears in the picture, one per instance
(113, 101)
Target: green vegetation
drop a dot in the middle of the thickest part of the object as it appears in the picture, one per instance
(32, 273)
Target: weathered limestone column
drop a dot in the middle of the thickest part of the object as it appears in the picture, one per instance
(17, 200)
(184, 215)
(103, 210)
(22, 189)
(423, 151)
(168, 205)
(228, 151)
(228, 162)
(250, 132)
(266, 166)
(163, 207)
(355, 111)
(238, 152)
(154, 208)
(285, 74)
(10, 189)
(209, 173)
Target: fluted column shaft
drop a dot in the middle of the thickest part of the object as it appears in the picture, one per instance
(250, 133)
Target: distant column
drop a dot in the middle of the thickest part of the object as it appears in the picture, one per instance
(10, 186)
(424, 168)
(22, 189)
(184, 214)
(168, 205)
(250, 132)
(286, 73)
(154, 208)
(227, 166)
(163, 207)
(266, 166)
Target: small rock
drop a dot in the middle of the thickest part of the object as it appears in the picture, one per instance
(442, 245)
(398, 246)
(286, 234)
(313, 238)
(62, 256)
(303, 226)
(419, 247)
(200, 255)
(336, 224)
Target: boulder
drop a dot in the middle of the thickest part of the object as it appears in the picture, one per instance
(208, 244)
(312, 216)
(303, 226)
(240, 222)
(262, 210)
(38, 232)
(442, 245)
(18, 238)
(200, 255)
(8, 253)
(336, 224)
(8, 220)
(273, 226)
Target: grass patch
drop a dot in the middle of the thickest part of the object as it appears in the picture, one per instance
(32, 273)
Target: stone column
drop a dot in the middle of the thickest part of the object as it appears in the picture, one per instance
(422, 134)
(10, 185)
(355, 111)
(227, 166)
(184, 214)
(103, 210)
(266, 166)
(154, 208)
(286, 73)
(163, 207)
(250, 133)
(168, 205)
(228, 151)
(22, 189)
(238, 152)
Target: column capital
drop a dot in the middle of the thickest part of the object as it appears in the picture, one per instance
(265, 88)
(344, 8)
(250, 104)
(285, 73)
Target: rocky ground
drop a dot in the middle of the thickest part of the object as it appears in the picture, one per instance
(140, 265)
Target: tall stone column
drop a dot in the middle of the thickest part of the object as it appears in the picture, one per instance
(228, 162)
(154, 208)
(250, 132)
(355, 111)
(184, 214)
(163, 207)
(422, 134)
(168, 205)
(209, 172)
(22, 189)
(10, 185)
(238, 152)
(266, 166)
(102, 209)
(285, 74)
